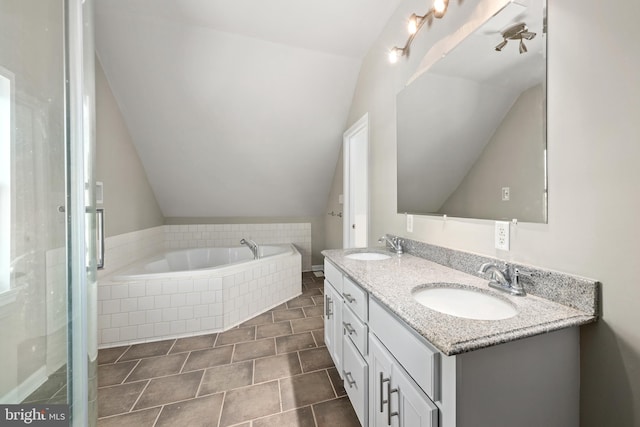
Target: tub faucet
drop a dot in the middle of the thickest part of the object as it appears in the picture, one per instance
(395, 243)
(253, 246)
(507, 280)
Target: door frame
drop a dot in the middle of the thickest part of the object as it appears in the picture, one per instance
(362, 125)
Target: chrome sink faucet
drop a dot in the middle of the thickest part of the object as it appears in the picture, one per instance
(253, 246)
(507, 280)
(395, 243)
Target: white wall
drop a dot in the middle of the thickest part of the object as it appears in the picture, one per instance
(594, 150)
(129, 201)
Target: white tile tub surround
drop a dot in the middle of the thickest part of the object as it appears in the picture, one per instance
(224, 235)
(124, 249)
(199, 302)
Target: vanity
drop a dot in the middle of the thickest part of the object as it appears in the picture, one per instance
(404, 364)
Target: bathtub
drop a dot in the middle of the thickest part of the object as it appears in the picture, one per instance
(194, 291)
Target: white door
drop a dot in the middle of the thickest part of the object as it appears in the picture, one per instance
(356, 184)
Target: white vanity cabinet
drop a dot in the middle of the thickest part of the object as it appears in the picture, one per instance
(346, 336)
(396, 378)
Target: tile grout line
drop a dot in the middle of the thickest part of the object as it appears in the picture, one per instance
(313, 413)
(184, 363)
(224, 399)
(130, 372)
(280, 395)
(120, 357)
(139, 396)
(331, 382)
(204, 371)
(158, 416)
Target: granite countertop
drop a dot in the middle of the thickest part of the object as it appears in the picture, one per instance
(391, 281)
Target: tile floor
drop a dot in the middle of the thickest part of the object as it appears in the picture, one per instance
(273, 370)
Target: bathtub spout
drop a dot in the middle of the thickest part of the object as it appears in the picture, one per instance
(253, 246)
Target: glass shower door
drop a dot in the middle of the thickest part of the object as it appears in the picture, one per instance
(47, 254)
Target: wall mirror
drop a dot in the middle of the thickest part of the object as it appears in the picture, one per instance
(472, 127)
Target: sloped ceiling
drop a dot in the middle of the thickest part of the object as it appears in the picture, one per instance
(237, 107)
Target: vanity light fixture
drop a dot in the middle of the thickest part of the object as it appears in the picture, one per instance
(440, 8)
(414, 24)
(516, 32)
(395, 54)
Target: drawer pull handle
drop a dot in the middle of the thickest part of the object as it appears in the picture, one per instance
(389, 413)
(327, 307)
(349, 298)
(382, 400)
(351, 382)
(348, 327)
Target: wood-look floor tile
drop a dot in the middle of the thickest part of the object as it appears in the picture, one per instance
(301, 302)
(233, 336)
(273, 330)
(226, 377)
(113, 374)
(314, 311)
(149, 349)
(247, 403)
(260, 319)
(337, 382)
(319, 337)
(199, 342)
(170, 389)
(305, 389)
(254, 349)
(202, 359)
(307, 324)
(294, 342)
(118, 399)
(158, 367)
(302, 417)
(280, 366)
(145, 418)
(315, 358)
(282, 315)
(110, 355)
(337, 412)
(199, 412)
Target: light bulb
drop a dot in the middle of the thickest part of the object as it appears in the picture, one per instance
(394, 54)
(440, 8)
(412, 26)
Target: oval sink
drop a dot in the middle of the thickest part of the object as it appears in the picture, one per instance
(368, 256)
(466, 303)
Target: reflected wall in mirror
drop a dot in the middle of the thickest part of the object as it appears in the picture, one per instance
(472, 128)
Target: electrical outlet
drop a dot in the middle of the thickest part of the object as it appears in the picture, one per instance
(410, 223)
(506, 194)
(502, 235)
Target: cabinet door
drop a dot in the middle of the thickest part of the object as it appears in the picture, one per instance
(396, 399)
(333, 324)
(380, 367)
(413, 407)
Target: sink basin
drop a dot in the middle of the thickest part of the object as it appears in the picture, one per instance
(368, 256)
(466, 303)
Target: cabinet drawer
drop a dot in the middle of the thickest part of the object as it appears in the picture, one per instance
(333, 275)
(355, 374)
(420, 359)
(354, 329)
(356, 299)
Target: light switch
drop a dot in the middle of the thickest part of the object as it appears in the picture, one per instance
(506, 194)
